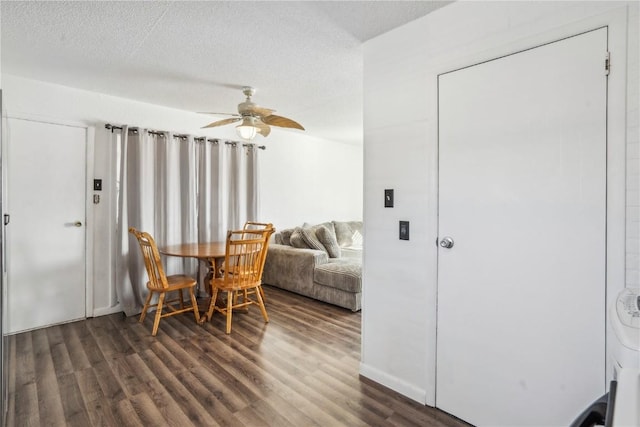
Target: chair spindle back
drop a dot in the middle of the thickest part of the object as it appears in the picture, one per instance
(152, 261)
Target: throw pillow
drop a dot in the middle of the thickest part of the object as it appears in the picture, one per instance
(327, 224)
(329, 241)
(285, 236)
(310, 238)
(296, 239)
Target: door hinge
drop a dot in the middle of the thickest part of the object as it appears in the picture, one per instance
(607, 64)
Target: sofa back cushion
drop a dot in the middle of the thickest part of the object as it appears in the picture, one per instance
(348, 233)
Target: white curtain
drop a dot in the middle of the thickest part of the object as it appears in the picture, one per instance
(180, 189)
(128, 297)
(234, 198)
(252, 182)
(211, 226)
(228, 182)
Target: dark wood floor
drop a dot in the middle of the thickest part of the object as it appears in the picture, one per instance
(301, 369)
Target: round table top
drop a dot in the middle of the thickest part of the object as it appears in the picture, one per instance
(196, 250)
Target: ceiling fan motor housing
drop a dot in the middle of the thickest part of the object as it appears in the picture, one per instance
(247, 108)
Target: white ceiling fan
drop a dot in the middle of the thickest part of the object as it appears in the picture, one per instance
(255, 119)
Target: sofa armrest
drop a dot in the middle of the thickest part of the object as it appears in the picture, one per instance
(292, 268)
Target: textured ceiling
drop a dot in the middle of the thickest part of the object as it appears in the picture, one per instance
(304, 57)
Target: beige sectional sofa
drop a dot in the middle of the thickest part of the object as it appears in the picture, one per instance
(322, 261)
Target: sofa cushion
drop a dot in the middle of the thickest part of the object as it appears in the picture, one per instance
(310, 238)
(346, 276)
(328, 224)
(351, 253)
(285, 236)
(348, 233)
(329, 241)
(296, 239)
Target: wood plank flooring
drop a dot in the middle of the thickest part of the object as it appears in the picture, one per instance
(301, 369)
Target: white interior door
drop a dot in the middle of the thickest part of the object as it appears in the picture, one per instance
(522, 193)
(46, 235)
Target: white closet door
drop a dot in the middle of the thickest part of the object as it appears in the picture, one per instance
(522, 193)
(46, 235)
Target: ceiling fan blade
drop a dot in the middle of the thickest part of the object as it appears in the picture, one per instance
(251, 109)
(263, 129)
(282, 122)
(220, 114)
(222, 122)
(263, 112)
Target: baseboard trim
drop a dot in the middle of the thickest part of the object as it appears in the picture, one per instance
(104, 311)
(396, 384)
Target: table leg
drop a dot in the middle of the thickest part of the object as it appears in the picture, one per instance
(215, 267)
(204, 270)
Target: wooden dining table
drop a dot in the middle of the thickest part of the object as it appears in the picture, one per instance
(211, 252)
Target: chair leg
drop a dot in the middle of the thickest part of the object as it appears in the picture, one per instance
(238, 294)
(146, 307)
(229, 310)
(261, 305)
(261, 289)
(212, 304)
(181, 298)
(194, 303)
(156, 322)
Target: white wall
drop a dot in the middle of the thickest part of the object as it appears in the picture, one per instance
(301, 178)
(310, 180)
(400, 152)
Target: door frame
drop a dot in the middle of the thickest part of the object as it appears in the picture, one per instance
(485, 50)
(89, 172)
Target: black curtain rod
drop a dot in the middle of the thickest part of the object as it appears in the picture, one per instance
(184, 136)
(111, 127)
(203, 139)
(235, 143)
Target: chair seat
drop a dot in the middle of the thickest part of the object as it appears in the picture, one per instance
(180, 281)
(228, 285)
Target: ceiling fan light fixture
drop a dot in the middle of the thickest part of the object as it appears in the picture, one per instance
(247, 130)
(255, 119)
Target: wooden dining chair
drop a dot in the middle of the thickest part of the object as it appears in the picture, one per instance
(241, 277)
(252, 225)
(161, 284)
(267, 227)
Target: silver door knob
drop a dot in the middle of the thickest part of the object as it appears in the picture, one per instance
(446, 242)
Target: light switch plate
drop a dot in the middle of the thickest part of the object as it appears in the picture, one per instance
(404, 230)
(388, 198)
